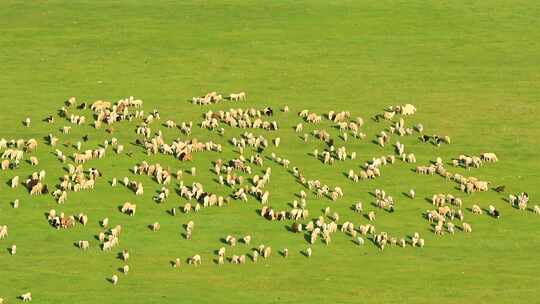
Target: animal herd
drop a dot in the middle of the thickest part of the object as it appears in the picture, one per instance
(245, 177)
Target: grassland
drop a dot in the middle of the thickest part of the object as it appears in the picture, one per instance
(470, 67)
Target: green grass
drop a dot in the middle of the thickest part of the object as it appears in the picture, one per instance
(470, 67)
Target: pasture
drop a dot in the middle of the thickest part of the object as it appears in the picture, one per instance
(469, 68)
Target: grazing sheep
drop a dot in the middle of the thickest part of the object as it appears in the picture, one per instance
(13, 250)
(84, 245)
(475, 209)
(360, 241)
(412, 193)
(309, 251)
(125, 269)
(536, 209)
(230, 240)
(267, 252)
(129, 208)
(155, 226)
(247, 239)
(26, 297)
(114, 279)
(195, 260)
(371, 215)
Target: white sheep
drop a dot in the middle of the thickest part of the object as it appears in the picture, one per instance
(26, 297)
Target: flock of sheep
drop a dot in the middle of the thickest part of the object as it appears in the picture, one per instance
(239, 177)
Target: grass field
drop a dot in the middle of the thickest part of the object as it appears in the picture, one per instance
(469, 67)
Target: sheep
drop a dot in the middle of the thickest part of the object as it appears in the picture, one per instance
(412, 193)
(195, 260)
(267, 252)
(26, 297)
(467, 227)
(475, 209)
(360, 241)
(129, 208)
(371, 215)
(177, 263)
(84, 245)
(114, 279)
(247, 239)
(34, 161)
(155, 226)
(230, 240)
(309, 252)
(125, 269)
(27, 122)
(15, 182)
(536, 209)
(125, 255)
(3, 232)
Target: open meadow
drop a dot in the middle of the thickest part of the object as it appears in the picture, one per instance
(470, 68)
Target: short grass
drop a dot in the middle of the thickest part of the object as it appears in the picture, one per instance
(470, 67)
